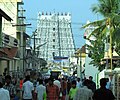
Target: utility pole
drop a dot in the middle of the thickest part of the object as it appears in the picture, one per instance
(110, 49)
(80, 64)
(34, 39)
(78, 55)
(34, 53)
(22, 27)
(107, 48)
(21, 39)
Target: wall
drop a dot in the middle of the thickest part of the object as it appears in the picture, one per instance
(90, 70)
(10, 8)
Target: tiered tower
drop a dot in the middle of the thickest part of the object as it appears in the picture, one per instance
(55, 33)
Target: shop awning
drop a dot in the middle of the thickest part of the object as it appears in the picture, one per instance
(3, 55)
(3, 14)
(8, 53)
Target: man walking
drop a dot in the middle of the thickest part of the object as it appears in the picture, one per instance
(79, 83)
(41, 91)
(84, 93)
(4, 94)
(28, 89)
(73, 90)
(102, 93)
(10, 87)
(92, 84)
(52, 90)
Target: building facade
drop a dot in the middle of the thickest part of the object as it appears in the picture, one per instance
(89, 67)
(78, 62)
(8, 35)
(54, 38)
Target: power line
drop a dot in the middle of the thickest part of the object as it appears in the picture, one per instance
(62, 48)
(60, 28)
(42, 27)
(35, 19)
(36, 27)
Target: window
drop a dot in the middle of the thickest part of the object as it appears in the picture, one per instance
(6, 39)
(53, 46)
(53, 40)
(53, 54)
(15, 42)
(53, 34)
(53, 29)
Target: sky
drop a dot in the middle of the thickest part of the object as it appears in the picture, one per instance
(80, 10)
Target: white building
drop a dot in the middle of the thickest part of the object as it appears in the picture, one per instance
(54, 31)
(90, 70)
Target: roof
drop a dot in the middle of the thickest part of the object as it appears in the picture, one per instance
(42, 61)
(113, 58)
(82, 50)
(3, 14)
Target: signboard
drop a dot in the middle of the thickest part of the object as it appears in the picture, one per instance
(60, 58)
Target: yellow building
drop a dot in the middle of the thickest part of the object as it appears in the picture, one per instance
(78, 61)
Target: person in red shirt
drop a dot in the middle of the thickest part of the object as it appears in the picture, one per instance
(52, 90)
(21, 83)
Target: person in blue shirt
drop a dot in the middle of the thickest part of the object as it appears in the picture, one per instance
(108, 85)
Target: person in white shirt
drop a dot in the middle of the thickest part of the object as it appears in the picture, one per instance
(41, 91)
(84, 93)
(79, 83)
(28, 89)
(57, 82)
(4, 93)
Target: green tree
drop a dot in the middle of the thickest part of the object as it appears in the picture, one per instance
(96, 52)
(110, 10)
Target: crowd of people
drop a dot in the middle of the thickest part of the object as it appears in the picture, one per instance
(54, 89)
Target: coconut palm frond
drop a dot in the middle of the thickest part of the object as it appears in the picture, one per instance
(95, 8)
(95, 23)
(104, 29)
(116, 20)
(98, 31)
(106, 7)
(116, 35)
(112, 30)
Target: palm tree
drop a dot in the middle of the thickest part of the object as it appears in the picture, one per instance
(96, 53)
(110, 10)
